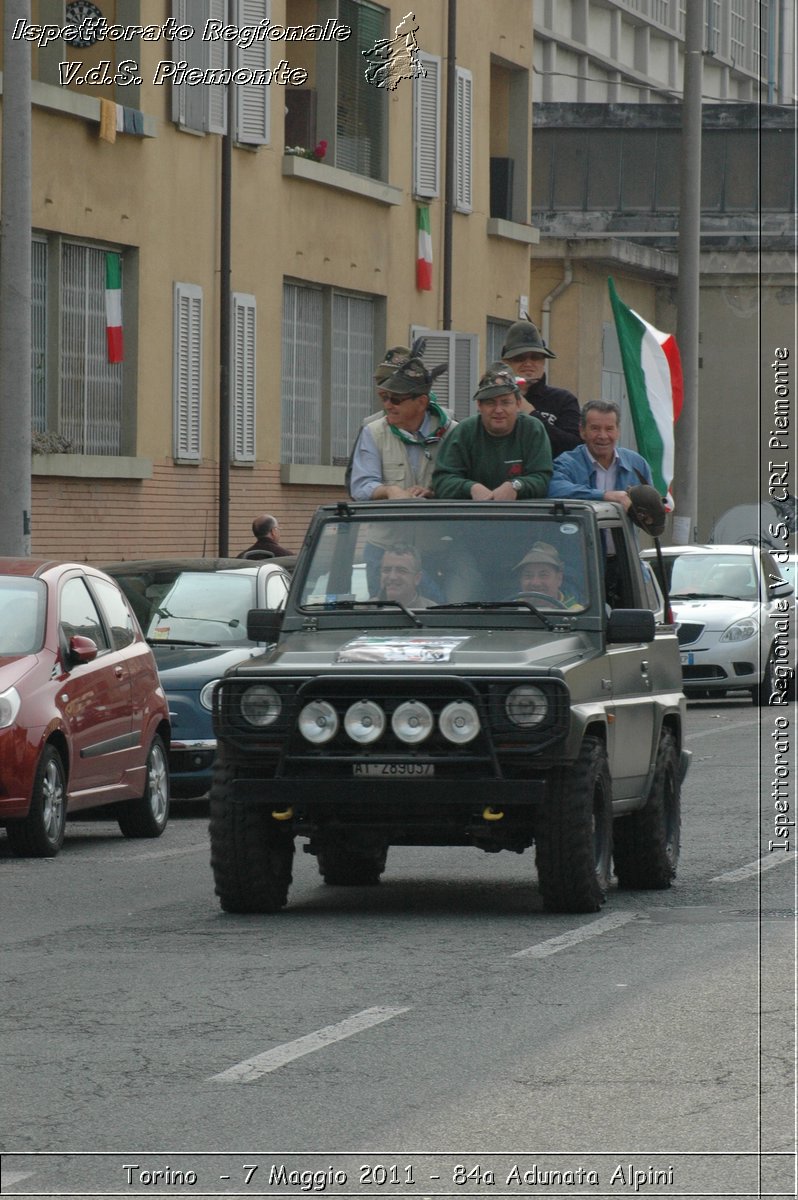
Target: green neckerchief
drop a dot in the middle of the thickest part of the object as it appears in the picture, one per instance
(419, 439)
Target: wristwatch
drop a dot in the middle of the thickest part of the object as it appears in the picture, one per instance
(516, 485)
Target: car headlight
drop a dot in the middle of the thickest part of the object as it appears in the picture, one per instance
(261, 705)
(364, 721)
(318, 722)
(206, 695)
(412, 722)
(459, 722)
(741, 630)
(526, 706)
(9, 707)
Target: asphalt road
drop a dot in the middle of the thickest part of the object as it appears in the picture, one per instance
(436, 1035)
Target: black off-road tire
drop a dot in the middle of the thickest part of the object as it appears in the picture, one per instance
(766, 687)
(251, 853)
(647, 842)
(147, 816)
(573, 838)
(345, 868)
(41, 833)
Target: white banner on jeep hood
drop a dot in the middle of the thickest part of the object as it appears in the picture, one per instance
(399, 649)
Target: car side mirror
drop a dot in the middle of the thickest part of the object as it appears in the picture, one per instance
(82, 649)
(781, 588)
(631, 625)
(264, 624)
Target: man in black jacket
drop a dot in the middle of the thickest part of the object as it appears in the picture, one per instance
(525, 353)
(267, 531)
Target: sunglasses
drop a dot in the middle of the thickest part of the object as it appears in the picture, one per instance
(388, 399)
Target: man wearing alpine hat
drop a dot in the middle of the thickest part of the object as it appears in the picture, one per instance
(525, 353)
(542, 570)
(499, 454)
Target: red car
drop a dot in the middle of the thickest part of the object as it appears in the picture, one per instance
(83, 718)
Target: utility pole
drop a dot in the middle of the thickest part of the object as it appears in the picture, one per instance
(225, 331)
(449, 189)
(685, 484)
(15, 289)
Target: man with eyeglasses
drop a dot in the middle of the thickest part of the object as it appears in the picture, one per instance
(500, 454)
(525, 353)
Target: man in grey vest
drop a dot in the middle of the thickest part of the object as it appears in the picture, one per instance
(395, 454)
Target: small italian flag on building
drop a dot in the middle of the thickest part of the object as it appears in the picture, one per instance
(424, 259)
(113, 308)
(652, 368)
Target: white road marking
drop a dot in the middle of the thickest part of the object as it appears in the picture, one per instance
(755, 868)
(10, 1177)
(270, 1060)
(574, 936)
(721, 728)
(124, 855)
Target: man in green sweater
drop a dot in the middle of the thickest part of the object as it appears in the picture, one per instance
(500, 454)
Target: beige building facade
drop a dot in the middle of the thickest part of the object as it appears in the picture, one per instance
(323, 249)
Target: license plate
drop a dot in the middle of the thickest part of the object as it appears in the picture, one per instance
(392, 770)
(687, 658)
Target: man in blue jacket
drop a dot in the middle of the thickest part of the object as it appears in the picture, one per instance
(599, 469)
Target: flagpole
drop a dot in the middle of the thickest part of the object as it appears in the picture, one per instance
(685, 487)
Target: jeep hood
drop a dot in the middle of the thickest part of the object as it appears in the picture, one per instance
(478, 649)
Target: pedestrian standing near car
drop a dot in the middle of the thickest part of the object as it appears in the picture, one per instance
(267, 532)
(526, 353)
(499, 454)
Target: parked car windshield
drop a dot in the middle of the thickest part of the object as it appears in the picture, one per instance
(204, 607)
(727, 576)
(22, 610)
(452, 560)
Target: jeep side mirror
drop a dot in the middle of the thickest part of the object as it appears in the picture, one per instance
(631, 625)
(264, 624)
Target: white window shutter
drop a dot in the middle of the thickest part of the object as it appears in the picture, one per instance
(464, 87)
(188, 103)
(244, 378)
(187, 371)
(252, 99)
(455, 388)
(426, 128)
(216, 59)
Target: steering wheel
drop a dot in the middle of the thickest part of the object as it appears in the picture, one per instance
(258, 554)
(551, 601)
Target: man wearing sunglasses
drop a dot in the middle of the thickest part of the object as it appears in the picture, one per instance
(501, 453)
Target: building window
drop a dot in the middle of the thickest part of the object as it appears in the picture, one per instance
(455, 388)
(76, 393)
(328, 356)
(713, 26)
(496, 337)
(202, 107)
(737, 32)
(244, 378)
(464, 86)
(187, 372)
(427, 128)
(761, 39)
(361, 109)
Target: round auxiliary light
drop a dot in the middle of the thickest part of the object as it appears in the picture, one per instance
(412, 722)
(318, 722)
(526, 706)
(459, 722)
(261, 705)
(364, 722)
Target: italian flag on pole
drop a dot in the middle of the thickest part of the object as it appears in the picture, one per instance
(424, 259)
(113, 308)
(653, 372)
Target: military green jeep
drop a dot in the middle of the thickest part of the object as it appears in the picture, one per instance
(452, 674)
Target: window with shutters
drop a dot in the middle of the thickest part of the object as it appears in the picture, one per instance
(202, 108)
(427, 128)
(76, 393)
(496, 337)
(244, 378)
(328, 356)
(187, 372)
(464, 85)
(455, 388)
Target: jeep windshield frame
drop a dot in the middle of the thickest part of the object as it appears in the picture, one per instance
(451, 564)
